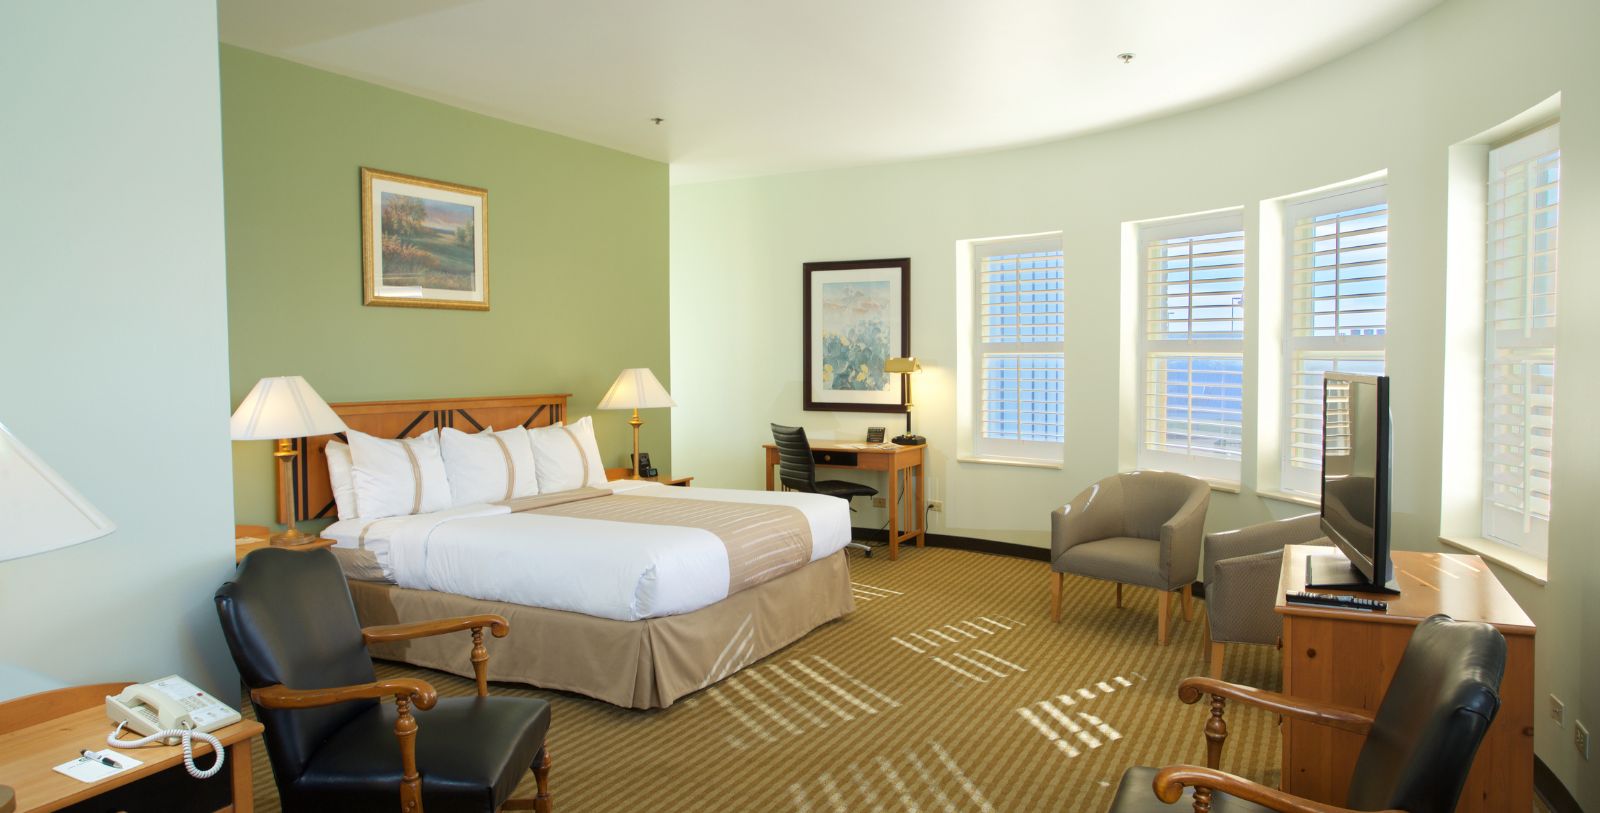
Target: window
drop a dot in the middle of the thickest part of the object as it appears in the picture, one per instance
(1020, 324)
(1191, 396)
(1338, 287)
(1519, 325)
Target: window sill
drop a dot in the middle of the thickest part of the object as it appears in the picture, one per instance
(1520, 562)
(1006, 461)
(1290, 497)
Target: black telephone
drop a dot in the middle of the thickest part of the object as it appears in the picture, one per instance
(910, 440)
(645, 469)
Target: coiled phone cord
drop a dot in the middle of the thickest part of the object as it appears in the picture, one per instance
(188, 747)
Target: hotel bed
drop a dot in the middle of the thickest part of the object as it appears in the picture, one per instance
(636, 593)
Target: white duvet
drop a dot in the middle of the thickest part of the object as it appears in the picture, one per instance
(621, 570)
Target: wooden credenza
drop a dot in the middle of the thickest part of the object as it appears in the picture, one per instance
(1348, 657)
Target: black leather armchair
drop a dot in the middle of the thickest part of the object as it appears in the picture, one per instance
(292, 629)
(1419, 746)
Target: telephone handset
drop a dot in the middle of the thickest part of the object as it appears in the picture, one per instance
(171, 710)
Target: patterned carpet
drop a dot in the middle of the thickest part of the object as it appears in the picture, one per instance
(948, 689)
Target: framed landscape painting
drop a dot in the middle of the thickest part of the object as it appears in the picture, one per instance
(424, 244)
(857, 316)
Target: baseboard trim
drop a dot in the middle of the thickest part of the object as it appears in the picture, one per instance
(1550, 789)
(963, 543)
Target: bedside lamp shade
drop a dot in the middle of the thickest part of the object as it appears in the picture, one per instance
(283, 407)
(42, 511)
(636, 388)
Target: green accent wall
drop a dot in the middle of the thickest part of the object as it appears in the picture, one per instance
(577, 257)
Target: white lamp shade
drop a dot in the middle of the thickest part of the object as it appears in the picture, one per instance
(42, 511)
(636, 388)
(283, 407)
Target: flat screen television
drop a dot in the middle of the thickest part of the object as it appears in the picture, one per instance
(1357, 448)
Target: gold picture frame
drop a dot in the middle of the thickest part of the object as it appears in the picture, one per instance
(424, 243)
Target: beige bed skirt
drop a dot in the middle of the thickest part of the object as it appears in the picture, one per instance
(634, 664)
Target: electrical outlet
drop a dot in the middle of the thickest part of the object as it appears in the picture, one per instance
(935, 505)
(1557, 710)
(1580, 739)
(880, 502)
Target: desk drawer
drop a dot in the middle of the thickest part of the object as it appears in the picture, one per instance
(831, 458)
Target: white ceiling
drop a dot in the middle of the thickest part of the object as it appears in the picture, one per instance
(752, 87)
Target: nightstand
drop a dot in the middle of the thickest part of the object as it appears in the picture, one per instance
(664, 479)
(247, 538)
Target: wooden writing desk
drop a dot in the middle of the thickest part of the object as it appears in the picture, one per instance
(1348, 657)
(42, 731)
(897, 463)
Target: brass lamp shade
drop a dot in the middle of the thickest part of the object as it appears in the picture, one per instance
(908, 364)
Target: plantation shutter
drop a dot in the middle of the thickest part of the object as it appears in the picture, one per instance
(1338, 313)
(1192, 382)
(1021, 322)
(1523, 221)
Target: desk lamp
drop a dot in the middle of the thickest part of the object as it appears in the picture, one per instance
(281, 409)
(42, 511)
(636, 388)
(905, 367)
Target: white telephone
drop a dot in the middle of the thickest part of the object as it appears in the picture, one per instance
(172, 710)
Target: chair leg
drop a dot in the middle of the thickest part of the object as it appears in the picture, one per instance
(541, 776)
(1188, 602)
(1163, 615)
(1055, 595)
(1119, 595)
(1218, 652)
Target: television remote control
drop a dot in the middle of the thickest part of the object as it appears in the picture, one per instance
(1339, 602)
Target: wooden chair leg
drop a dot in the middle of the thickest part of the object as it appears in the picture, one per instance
(1218, 652)
(1188, 602)
(1163, 614)
(1119, 595)
(541, 776)
(1055, 595)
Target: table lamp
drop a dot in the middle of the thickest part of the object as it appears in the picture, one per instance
(281, 409)
(636, 388)
(905, 367)
(41, 511)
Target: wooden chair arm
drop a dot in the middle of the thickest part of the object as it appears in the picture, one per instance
(411, 690)
(497, 625)
(387, 633)
(1171, 780)
(1344, 718)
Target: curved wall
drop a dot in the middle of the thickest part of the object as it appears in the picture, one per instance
(1396, 105)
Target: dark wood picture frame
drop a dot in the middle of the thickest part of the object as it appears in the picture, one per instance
(813, 400)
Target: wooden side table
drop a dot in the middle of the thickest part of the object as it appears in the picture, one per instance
(41, 731)
(248, 538)
(625, 473)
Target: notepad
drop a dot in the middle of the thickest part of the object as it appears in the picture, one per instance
(85, 769)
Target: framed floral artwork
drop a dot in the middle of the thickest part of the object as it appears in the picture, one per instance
(857, 316)
(424, 244)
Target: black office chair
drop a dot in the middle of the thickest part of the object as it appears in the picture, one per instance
(292, 629)
(798, 471)
(1419, 746)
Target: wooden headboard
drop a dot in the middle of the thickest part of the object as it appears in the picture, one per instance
(313, 494)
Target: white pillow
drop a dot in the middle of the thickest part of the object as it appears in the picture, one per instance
(397, 477)
(566, 457)
(341, 478)
(489, 466)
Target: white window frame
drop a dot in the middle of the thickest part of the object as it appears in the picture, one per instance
(983, 447)
(1223, 467)
(1522, 526)
(1341, 352)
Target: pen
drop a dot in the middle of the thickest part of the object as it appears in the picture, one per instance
(100, 759)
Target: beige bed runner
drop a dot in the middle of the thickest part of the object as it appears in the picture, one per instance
(763, 541)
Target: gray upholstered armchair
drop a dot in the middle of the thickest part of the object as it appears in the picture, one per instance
(1241, 575)
(1141, 528)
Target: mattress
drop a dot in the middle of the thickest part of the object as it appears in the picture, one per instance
(624, 571)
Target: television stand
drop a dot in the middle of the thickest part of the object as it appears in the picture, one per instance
(1337, 573)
